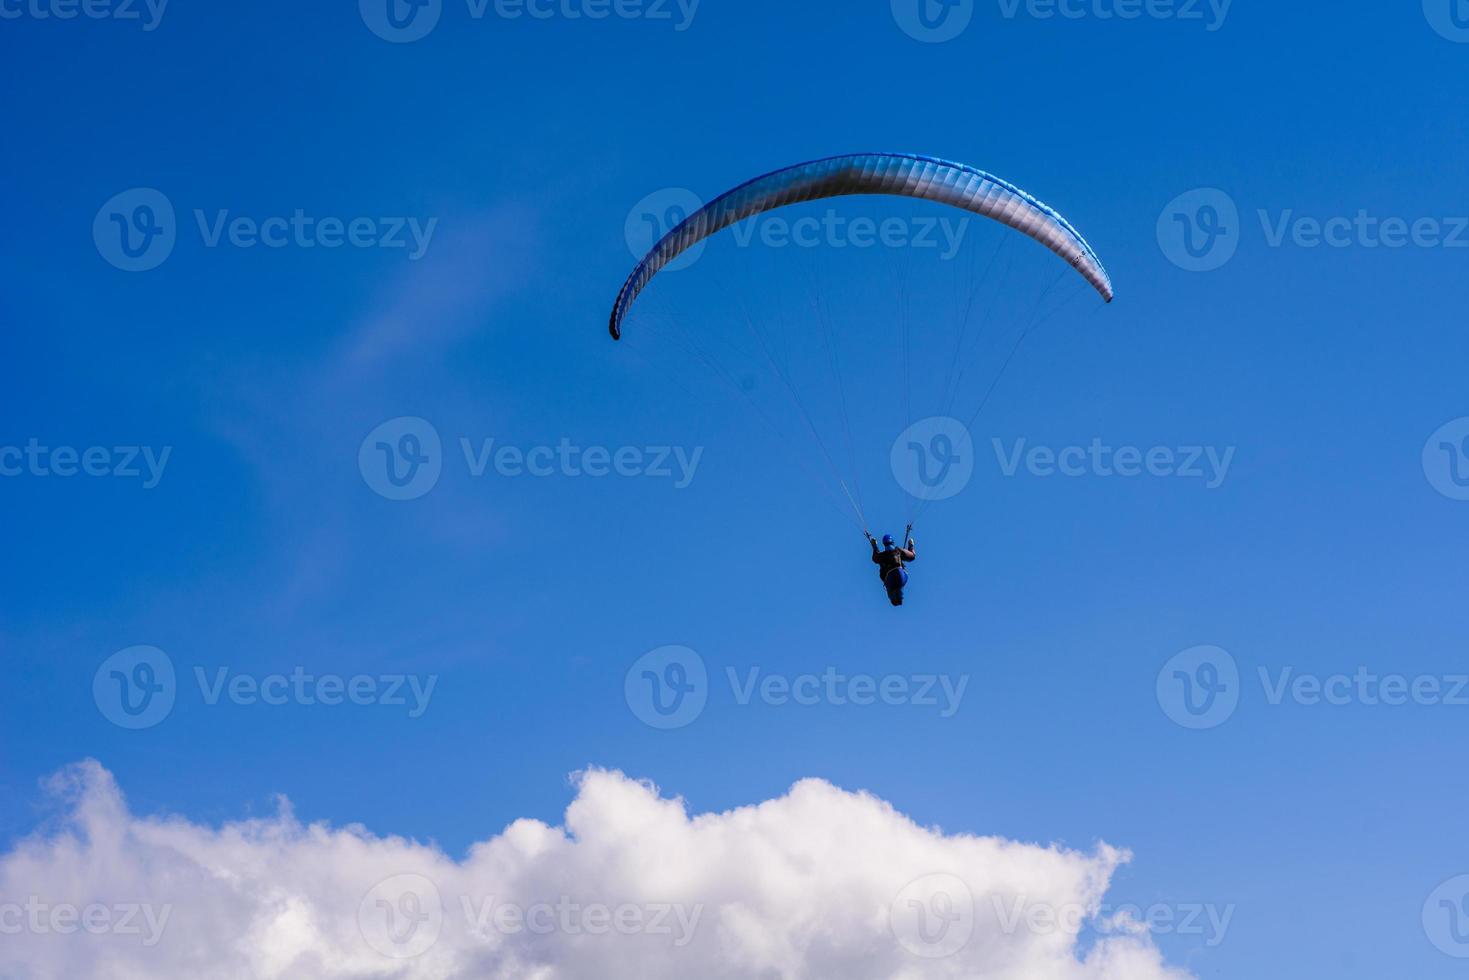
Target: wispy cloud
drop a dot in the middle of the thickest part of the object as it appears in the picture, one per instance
(297, 424)
(476, 262)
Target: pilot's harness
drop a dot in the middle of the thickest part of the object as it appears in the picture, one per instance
(907, 536)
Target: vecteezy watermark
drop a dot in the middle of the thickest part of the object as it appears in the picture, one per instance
(1446, 459)
(568, 459)
(936, 21)
(301, 230)
(137, 230)
(669, 688)
(1446, 917)
(403, 458)
(1018, 914)
(331, 690)
(568, 916)
(146, 13)
(1449, 17)
(1097, 459)
(832, 229)
(1201, 230)
(40, 918)
(1210, 13)
(933, 21)
(145, 463)
(659, 213)
(401, 21)
(137, 688)
(933, 459)
(933, 916)
(405, 21)
(1364, 687)
(1201, 687)
(835, 688)
(679, 14)
(655, 216)
(403, 916)
(1363, 230)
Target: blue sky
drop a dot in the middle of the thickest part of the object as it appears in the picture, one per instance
(1332, 547)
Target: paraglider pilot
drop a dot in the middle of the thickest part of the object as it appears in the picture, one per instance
(890, 560)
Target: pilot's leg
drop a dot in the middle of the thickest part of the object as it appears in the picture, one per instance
(896, 580)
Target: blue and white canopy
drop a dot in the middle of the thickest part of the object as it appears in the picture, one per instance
(895, 174)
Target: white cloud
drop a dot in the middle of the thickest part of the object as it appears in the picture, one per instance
(819, 883)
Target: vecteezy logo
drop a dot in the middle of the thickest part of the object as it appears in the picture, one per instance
(1199, 687)
(1446, 459)
(1446, 917)
(401, 21)
(933, 21)
(402, 916)
(135, 688)
(933, 916)
(1200, 231)
(402, 458)
(933, 459)
(1449, 17)
(655, 216)
(667, 687)
(136, 230)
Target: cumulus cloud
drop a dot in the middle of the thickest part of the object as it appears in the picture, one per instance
(819, 883)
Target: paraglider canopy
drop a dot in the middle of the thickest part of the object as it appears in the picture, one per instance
(896, 174)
